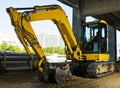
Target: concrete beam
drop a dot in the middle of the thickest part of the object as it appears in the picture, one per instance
(72, 3)
(95, 7)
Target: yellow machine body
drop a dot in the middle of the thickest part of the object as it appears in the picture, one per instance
(26, 34)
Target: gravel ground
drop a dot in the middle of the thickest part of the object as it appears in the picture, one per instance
(29, 80)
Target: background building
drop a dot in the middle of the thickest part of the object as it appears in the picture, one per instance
(10, 39)
(45, 40)
(50, 40)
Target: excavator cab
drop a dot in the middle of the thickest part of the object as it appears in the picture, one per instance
(95, 38)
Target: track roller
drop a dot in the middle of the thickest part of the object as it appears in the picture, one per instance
(100, 69)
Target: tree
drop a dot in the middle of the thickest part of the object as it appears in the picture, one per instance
(59, 50)
(9, 47)
(17, 49)
(4, 46)
(13, 48)
(52, 50)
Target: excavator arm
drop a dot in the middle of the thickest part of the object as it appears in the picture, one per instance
(21, 22)
(26, 34)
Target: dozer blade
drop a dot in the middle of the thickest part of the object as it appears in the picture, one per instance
(55, 73)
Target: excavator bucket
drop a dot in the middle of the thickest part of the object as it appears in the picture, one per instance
(62, 74)
(55, 73)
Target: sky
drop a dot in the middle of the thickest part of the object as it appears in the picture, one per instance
(46, 27)
(40, 27)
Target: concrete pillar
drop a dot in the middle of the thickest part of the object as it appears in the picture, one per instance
(77, 21)
(77, 24)
(112, 42)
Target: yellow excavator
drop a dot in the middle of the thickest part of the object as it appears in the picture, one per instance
(89, 57)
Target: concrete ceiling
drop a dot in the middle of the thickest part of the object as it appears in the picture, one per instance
(108, 10)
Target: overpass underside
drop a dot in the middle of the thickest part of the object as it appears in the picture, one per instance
(108, 10)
